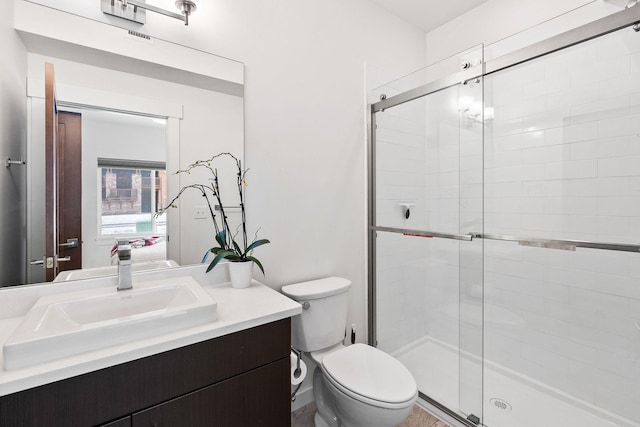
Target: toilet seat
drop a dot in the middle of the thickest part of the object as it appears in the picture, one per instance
(371, 376)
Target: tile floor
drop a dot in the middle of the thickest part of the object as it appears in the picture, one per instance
(303, 417)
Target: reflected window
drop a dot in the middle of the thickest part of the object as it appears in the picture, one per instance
(132, 193)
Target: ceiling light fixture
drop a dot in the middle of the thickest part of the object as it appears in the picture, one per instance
(130, 9)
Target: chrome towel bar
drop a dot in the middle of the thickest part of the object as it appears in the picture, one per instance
(560, 244)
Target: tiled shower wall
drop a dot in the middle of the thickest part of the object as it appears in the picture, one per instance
(562, 159)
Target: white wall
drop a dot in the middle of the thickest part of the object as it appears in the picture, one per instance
(305, 122)
(505, 25)
(13, 129)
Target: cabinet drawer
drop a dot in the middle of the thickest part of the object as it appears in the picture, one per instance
(256, 398)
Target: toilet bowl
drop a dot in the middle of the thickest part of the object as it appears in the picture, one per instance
(356, 385)
(367, 387)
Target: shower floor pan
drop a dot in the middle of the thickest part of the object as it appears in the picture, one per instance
(508, 402)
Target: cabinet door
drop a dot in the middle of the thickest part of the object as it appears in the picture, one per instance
(260, 397)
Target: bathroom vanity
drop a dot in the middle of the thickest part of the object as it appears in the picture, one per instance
(233, 371)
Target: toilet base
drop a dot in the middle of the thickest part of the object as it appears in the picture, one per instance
(335, 409)
(325, 413)
(318, 421)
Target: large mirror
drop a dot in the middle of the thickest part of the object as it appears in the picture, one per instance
(138, 123)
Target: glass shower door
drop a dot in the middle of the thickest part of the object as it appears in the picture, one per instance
(427, 272)
(504, 233)
(562, 157)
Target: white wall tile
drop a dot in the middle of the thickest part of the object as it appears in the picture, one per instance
(619, 126)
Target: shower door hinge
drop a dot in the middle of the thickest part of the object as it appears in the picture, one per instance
(474, 419)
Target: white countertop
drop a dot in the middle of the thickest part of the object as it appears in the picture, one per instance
(238, 309)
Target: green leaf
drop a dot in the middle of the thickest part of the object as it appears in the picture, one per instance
(216, 250)
(235, 245)
(219, 257)
(257, 243)
(254, 259)
(221, 239)
(234, 257)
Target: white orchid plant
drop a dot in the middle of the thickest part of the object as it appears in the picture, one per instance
(228, 247)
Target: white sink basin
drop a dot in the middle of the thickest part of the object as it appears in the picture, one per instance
(112, 270)
(63, 325)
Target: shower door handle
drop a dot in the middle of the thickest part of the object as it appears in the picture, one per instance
(423, 233)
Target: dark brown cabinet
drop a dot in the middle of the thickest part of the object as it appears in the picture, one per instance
(240, 379)
(234, 402)
(122, 422)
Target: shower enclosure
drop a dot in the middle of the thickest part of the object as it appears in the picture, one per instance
(505, 227)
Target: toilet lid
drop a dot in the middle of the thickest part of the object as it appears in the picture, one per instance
(371, 373)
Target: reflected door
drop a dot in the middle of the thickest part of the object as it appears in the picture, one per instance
(69, 169)
(63, 185)
(50, 260)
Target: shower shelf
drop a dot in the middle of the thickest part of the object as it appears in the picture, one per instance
(537, 242)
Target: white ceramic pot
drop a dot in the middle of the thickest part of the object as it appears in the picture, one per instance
(240, 274)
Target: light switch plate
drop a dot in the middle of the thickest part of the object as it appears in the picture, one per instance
(199, 212)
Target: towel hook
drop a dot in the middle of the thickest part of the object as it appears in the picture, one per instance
(8, 162)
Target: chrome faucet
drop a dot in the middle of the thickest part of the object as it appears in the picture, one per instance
(124, 265)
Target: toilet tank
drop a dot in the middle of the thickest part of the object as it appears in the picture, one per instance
(322, 322)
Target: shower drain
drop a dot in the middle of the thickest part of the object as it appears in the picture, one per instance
(500, 404)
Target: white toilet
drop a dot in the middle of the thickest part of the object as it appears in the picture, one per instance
(354, 386)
